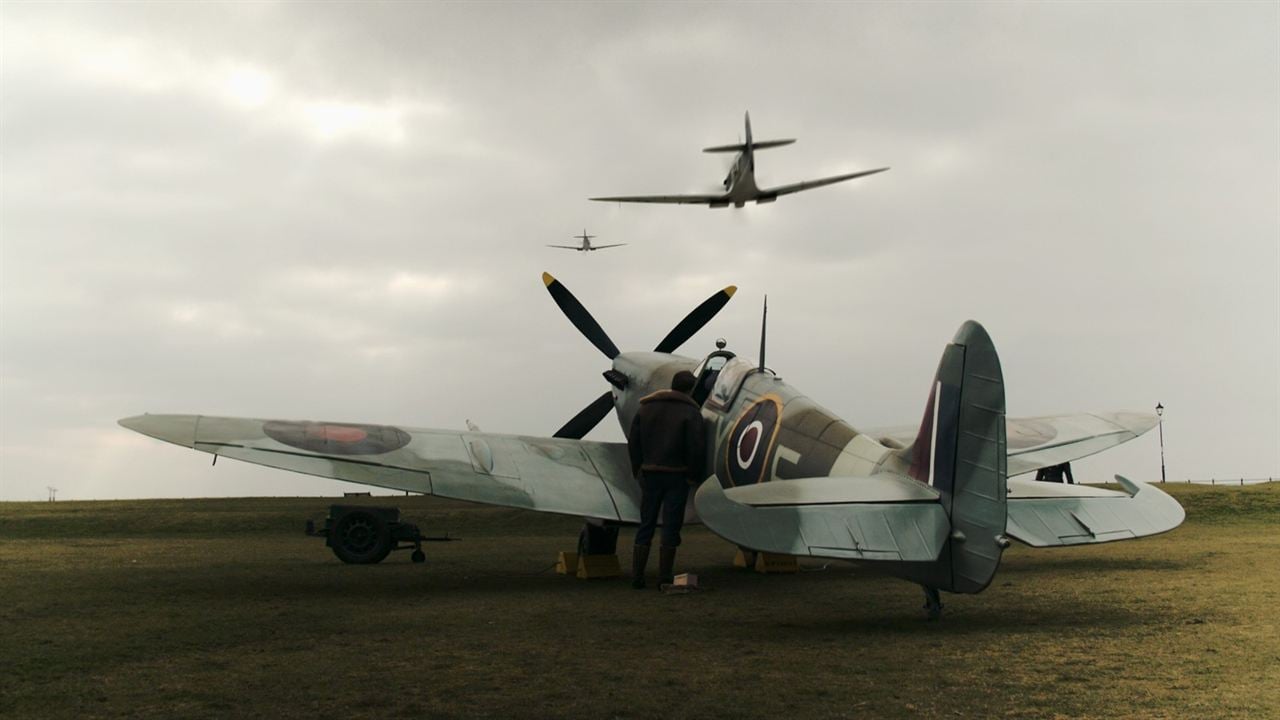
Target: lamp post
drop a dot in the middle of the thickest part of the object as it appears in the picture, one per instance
(1160, 422)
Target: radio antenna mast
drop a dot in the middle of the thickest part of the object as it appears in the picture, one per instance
(764, 324)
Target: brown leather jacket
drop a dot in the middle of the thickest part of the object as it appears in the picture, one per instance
(667, 435)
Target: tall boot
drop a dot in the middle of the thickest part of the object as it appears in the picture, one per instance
(639, 560)
(666, 561)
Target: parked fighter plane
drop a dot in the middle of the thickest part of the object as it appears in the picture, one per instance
(586, 245)
(934, 503)
(740, 184)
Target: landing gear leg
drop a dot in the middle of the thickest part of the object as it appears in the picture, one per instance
(932, 602)
(598, 551)
(598, 540)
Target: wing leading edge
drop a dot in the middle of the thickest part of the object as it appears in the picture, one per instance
(810, 184)
(1038, 442)
(667, 199)
(764, 195)
(558, 475)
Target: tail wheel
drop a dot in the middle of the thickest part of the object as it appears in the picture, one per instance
(361, 538)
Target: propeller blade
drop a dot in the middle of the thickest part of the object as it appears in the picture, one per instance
(580, 318)
(591, 415)
(694, 321)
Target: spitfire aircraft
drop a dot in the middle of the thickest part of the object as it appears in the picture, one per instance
(740, 184)
(934, 503)
(586, 245)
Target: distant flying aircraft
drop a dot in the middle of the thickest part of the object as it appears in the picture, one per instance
(934, 503)
(740, 184)
(586, 245)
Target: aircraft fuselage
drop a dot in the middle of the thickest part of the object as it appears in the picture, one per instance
(759, 428)
(740, 184)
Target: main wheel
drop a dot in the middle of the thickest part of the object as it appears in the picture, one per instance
(360, 537)
(418, 556)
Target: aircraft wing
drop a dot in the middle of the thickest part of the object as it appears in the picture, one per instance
(882, 517)
(669, 199)
(567, 247)
(810, 184)
(1052, 514)
(602, 247)
(1038, 442)
(558, 475)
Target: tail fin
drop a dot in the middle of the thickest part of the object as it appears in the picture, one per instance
(961, 452)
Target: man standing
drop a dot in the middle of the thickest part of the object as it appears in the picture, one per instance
(1056, 474)
(667, 456)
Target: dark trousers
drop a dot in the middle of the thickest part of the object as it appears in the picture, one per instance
(665, 492)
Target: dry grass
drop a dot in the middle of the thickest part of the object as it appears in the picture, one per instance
(220, 608)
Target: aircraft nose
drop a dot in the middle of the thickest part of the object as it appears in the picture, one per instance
(177, 429)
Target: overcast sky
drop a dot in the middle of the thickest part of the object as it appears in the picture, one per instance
(339, 211)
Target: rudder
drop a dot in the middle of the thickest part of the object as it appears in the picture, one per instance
(961, 451)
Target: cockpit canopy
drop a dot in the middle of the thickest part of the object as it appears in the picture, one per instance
(719, 377)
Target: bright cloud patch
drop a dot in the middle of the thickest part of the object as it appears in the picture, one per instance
(408, 284)
(375, 286)
(329, 121)
(131, 65)
(247, 86)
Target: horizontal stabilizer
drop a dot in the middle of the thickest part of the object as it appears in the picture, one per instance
(834, 491)
(1045, 514)
(761, 145)
(812, 517)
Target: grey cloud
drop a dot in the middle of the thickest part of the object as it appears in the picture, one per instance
(1096, 184)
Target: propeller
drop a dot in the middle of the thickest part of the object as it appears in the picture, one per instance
(591, 415)
(579, 316)
(588, 418)
(694, 321)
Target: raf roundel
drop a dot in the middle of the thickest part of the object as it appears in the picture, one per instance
(746, 454)
(749, 443)
(335, 438)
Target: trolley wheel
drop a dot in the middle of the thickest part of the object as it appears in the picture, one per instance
(360, 537)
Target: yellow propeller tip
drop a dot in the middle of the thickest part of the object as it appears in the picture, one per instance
(731, 290)
(547, 279)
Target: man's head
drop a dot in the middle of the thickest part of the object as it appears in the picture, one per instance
(683, 382)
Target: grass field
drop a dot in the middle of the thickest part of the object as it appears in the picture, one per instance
(222, 608)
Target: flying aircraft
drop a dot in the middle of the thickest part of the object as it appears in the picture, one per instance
(586, 245)
(935, 503)
(740, 184)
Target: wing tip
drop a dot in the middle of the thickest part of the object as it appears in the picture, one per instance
(176, 429)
